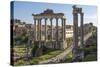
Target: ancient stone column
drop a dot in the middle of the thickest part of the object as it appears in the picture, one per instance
(64, 28)
(45, 30)
(62, 46)
(35, 30)
(40, 29)
(38, 33)
(75, 27)
(57, 28)
(51, 29)
(82, 31)
(75, 30)
(82, 35)
(57, 33)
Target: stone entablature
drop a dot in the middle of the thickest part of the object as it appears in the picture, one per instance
(58, 15)
(48, 14)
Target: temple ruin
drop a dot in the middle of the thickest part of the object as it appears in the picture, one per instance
(58, 43)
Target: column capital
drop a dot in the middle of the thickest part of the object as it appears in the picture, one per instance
(56, 18)
(45, 18)
(64, 18)
(57, 28)
(40, 19)
(51, 29)
(75, 13)
(45, 29)
(51, 19)
(35, 19)
(82, 14)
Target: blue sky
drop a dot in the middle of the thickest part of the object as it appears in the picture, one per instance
(24, 10)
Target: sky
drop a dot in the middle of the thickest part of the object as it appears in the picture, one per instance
(24, 10)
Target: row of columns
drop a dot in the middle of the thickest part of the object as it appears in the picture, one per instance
(38, 29)
(38, 32)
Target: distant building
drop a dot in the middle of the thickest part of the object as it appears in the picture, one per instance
(69, 31)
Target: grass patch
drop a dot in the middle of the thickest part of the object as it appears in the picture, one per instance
(90, 57)
(36, 60)
(68, 57)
